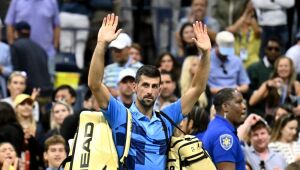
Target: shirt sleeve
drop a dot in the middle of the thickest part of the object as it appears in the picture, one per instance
(56, 21)
(242, 75)
(116, 113)
(174, 111)
(225, 148)
(10, 15)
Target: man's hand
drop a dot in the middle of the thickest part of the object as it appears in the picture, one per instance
(107, 32)
(202, 40)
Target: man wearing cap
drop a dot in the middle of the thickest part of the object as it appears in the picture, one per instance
(126, 82)
(226, 69)
(120, 53)
(294, 53)
(258, 154)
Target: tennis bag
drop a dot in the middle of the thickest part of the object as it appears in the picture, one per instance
(93, 147)
(186, 152)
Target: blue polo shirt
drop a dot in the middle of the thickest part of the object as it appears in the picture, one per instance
(222, 143)
(236, 74)
(148, 145)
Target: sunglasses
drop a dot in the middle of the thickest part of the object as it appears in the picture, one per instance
(262, 165)
(273, 49)
(223, 68)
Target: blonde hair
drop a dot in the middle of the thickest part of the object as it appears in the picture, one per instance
(54, 124)
(30, 122)
(186, 80)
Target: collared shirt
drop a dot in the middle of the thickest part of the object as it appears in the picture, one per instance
(112, 71)
(42, 16)
(222, 143)
(267, 62)
(235, 75)
(148, 146)
(5, 62)
(273, 161)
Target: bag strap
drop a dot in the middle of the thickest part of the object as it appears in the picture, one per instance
(171, 121)
(128, 139)
(165, 129)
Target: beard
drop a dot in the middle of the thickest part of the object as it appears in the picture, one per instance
(145, 102)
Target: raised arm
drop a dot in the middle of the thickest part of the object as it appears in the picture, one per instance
(199, 81)
(106, 34)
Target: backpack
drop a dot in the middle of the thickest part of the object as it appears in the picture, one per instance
(93, 146)
(186, 152)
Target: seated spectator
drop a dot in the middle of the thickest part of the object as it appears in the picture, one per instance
(186, 45)
(16, 85)
(294, 53)
(258, 154)
(126, 82)
(284, 138)
(135, 53)
(8, 157)
(282, 88)
(59, 111)
(10, 129)
(226, 70)
(65, 93)
(188, 71)
(55, 152)
(166, 61)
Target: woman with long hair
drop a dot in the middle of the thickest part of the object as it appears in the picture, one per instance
(284, 138)
(281, 88)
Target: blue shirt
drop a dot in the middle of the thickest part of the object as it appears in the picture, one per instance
(236, 73)
(5, 62)
(148, 145)
(222, 143)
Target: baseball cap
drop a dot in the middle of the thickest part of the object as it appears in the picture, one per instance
(122, 41)
(21, 98)
(225, 42)
(126, 73)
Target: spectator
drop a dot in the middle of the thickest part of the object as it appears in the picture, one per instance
(281, 88)
(272, 18)
(120, 52)
(135, 53)
(55, 151)
(284, 138)
(188, 71)
(64, 93)
(5, 65)
(30, 57)
(186, 46)
(10, 129)
(167, 91)
(43, 18)
(8, 157)
(294, 53)
(75, 24)
(226, 70)
(166, 61)
(16, 85)
(126, 82)
(258, 153)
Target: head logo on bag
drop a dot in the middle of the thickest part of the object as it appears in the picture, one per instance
(85, 156)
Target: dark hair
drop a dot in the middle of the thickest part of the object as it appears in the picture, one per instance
(223, 96)
(187, 24)
(280, 124)
(7, 113)
(64, 87)
(164, 72)
(274, 39)
(293, 166)
(200, 119)
(147, 70)
(53, 140)
(161, 56)
(88, 95)
(259, 125)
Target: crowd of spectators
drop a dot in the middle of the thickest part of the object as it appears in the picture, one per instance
(255, 50)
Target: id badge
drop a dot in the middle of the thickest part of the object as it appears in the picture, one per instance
(243, 54)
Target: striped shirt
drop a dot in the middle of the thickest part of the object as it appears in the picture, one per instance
(290, 151)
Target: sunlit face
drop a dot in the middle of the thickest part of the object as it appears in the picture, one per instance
(64, 95)
(199, 9)
(289, 131)
(135, 54)
(188, 34)
(284, 68)
(17, 85)
(147, 90)
(7, 152)
(167, 86)
(24, 109)
(166, 63)
(260, 139)
(235, 109)
(55, 155)
(60, 112)
(126, 86)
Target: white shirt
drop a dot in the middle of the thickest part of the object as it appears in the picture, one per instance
(294, 54)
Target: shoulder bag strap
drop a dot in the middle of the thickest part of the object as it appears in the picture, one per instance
(171, 121)
(128, 139)
(165, 129)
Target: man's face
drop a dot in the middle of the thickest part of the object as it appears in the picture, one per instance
(64, 95)
(126, 86)
(55, 155)
(235, 109)
(260, 138)
(120, 55)
(167, 86)
(17, 85)
(272, 51)
(199, 9)
(147, 90)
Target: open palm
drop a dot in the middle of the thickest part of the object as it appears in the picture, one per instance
(107, 32)
(201, 39)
